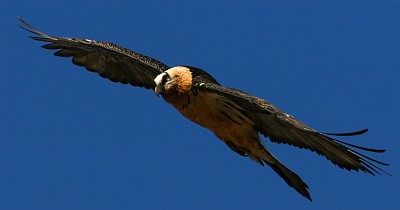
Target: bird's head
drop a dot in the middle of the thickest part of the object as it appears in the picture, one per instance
(174, 82)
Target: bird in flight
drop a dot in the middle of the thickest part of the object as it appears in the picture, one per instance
(235, 117)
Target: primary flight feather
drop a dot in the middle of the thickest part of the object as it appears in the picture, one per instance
(235, 117)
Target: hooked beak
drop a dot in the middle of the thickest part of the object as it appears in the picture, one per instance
(159, 90)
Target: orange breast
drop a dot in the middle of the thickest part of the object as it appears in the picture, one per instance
(213, 112)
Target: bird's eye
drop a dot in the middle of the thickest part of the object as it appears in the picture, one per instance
(165, 78)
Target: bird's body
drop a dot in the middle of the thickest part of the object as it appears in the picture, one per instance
(220, 116)
(225, 119)
(235, 117)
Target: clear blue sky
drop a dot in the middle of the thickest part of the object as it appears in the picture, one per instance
(72, 140)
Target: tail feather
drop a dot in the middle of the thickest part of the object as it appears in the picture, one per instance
(292, 179)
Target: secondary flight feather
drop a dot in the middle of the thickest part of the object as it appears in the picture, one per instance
(235, 117)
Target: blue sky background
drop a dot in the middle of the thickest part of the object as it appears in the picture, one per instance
(72, 140)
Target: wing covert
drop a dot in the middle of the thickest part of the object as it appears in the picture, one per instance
(107, 59)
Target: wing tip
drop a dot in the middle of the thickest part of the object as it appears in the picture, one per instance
(26, 24)
(28, 27)
(354, 133)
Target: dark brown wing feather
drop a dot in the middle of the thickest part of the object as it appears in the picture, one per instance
(107, 59)
(283, 128)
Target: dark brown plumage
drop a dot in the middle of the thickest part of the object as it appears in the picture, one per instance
(233, 116)
(107, 59)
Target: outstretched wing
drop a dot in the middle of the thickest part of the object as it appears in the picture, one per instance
(283, 128)
(107, 59)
